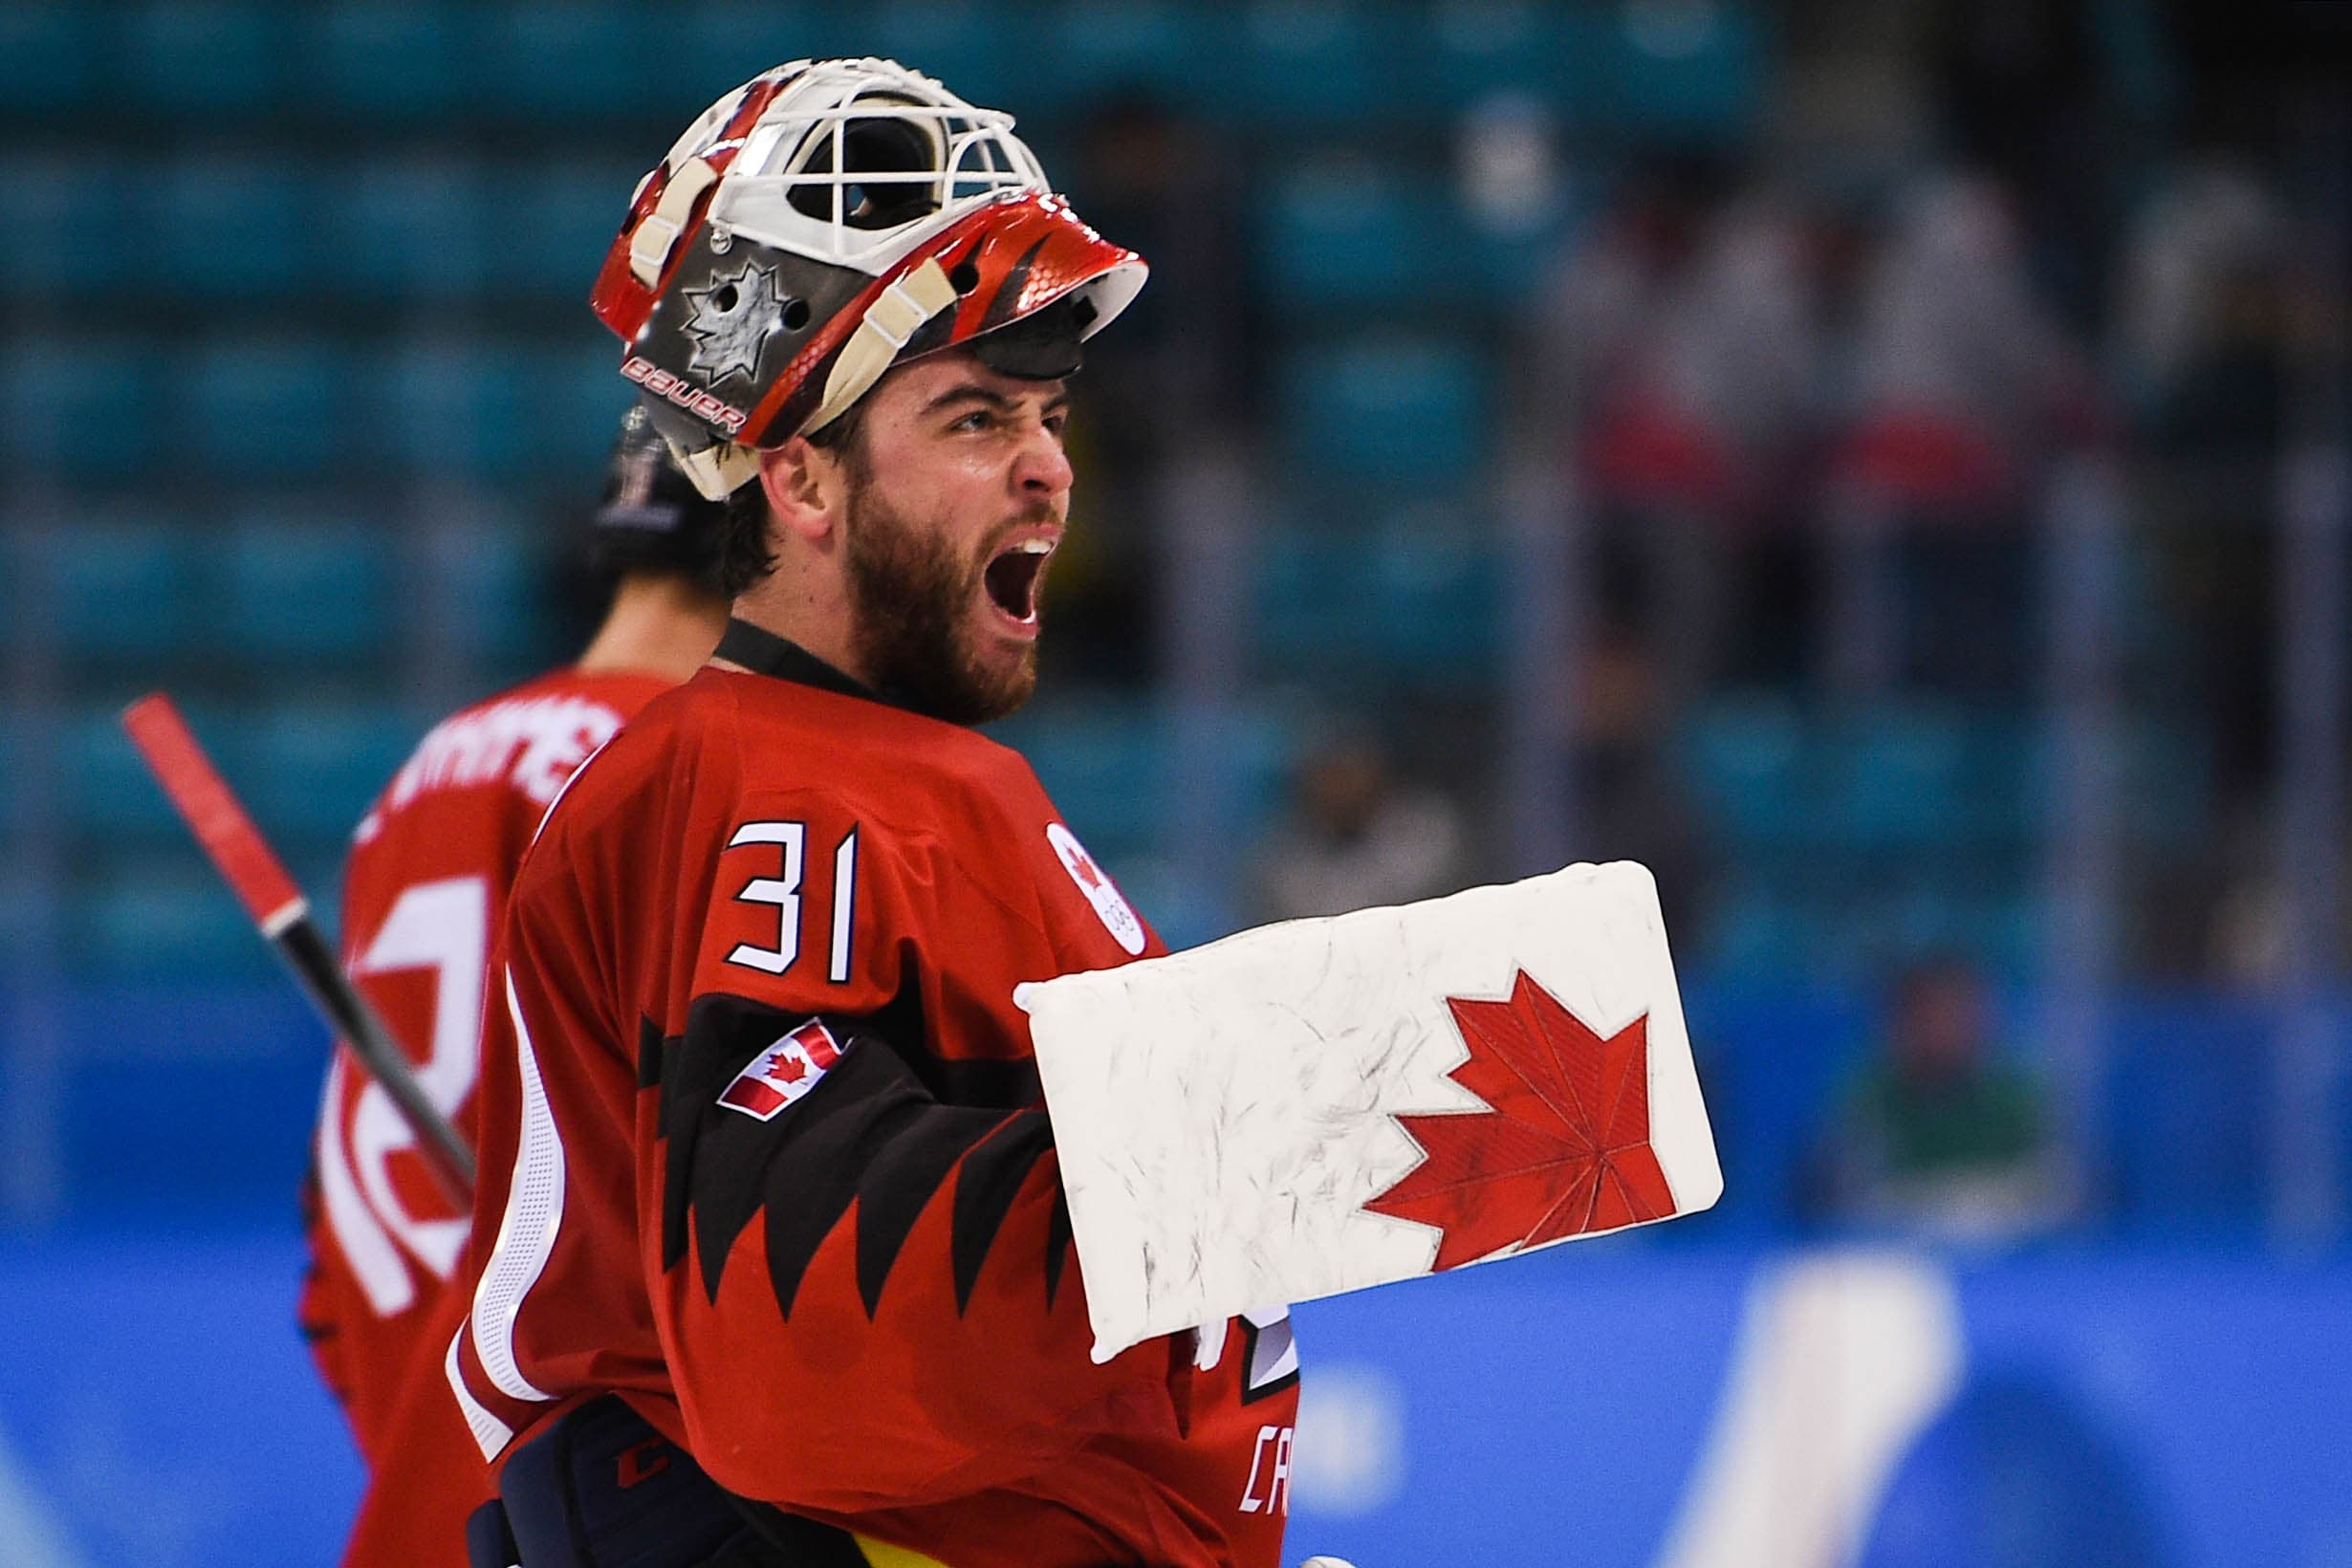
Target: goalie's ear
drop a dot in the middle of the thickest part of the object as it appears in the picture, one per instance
(807, 487)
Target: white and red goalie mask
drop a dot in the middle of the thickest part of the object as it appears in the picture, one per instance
(822, 223)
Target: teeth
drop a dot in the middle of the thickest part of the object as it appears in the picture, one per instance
(1034, 547)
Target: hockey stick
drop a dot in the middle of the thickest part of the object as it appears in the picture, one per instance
(254, 873)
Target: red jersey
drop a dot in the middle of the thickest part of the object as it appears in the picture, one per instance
(764, 1150)
(425, 886)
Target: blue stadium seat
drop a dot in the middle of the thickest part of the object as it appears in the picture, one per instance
(78, 408)
(1436, 598)
(1749, 767)
(501, 592)
(1691, 72)
(415, 230)
(1760, 933)
(65, 216)
(309, 591)
(215, 58)
(1896, 779)
(571, 213)
(1313, 64)
(1479, 49)
(160, 920)
(107, 797)
(238, 228)
(315, 767)
(1160, 46)
(1388, 410)
(715, 45)
(578, 402)
(577, 60)
(1102, 763)
(262, 411)
(395, 61)
(1315, 600)
(453, 408)
(981, 53)
(120, 589)
(1344, 235)
(47, 50)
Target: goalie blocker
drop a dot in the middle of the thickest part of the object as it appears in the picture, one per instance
(1321, 1106)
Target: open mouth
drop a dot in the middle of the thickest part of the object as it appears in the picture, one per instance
(1014, 577)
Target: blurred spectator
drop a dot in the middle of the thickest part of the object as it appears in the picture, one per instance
(2201, 309)
(1355, 838)
(1939, 1136)
(1630, 803)
(1149, 175)
(1960, 376)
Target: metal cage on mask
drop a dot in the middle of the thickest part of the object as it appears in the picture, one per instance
(827, 221)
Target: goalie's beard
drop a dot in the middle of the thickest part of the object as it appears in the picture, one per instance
(920, 606)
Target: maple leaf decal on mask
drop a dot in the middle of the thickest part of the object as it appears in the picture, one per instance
(1564, 1148)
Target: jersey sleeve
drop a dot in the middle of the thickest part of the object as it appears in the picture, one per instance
(866, 1281)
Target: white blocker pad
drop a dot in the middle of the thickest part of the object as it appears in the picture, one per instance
(1325, 1104)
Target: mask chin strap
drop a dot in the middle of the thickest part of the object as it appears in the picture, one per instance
(719, 471)
(910, 299)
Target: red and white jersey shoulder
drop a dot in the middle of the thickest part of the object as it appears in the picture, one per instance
(430, 868)
(763, 1147)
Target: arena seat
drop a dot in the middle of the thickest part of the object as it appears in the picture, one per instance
(1481, 49)
(1344, 234)
(120, 589)
(317, 765)
(267, 410)
(309, 591)
(400, 62)
(1388, 409)
(1436, 601)
(983, 54)
(221, 60)
(410, 232)
(1680, 74)
(106, 796)
(1310, 64)
(579, 60)
(237, 229)
(1115, 46)
(453, 408)
(160, 918)
(47, 50)
(64, 215)
(82, 409)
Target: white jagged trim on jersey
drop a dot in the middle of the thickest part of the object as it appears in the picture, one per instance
(527, 1231)
(489, 1433)
(381, 1271)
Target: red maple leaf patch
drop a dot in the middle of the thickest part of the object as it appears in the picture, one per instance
(1564, 1147)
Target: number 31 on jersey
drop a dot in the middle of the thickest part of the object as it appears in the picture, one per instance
(783, 891)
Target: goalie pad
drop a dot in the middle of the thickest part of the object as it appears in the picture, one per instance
(1321, 1106)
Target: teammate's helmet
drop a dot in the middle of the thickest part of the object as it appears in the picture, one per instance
(828, 220)
(652, 519)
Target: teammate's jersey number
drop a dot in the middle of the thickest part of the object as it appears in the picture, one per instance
(442, 926)
(783, 890)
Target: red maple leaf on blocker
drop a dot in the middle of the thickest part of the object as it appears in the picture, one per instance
(1563, 1149)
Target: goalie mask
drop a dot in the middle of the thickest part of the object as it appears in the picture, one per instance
(819, 225)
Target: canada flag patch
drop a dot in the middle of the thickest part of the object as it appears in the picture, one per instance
(1119, 918)
(782, 1073)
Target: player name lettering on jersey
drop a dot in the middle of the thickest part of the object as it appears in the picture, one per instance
(530, 744)
(783, 1073)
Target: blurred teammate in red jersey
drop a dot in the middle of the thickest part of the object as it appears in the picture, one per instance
(766, 1175)
(427, 881)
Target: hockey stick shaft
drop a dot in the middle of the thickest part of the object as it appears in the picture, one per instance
(257, 877)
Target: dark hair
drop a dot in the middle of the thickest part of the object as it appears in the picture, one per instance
(743, 557)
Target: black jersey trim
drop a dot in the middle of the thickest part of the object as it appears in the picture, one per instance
(763, 652)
